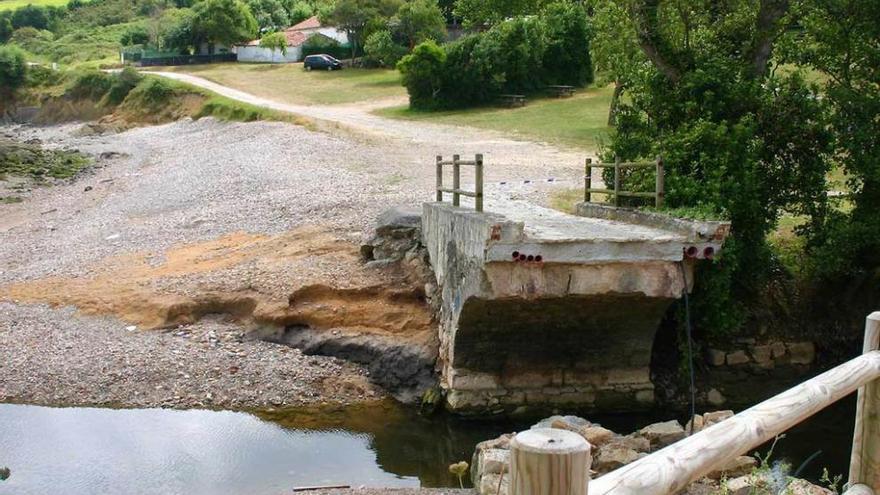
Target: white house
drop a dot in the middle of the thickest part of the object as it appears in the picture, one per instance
(296, 36)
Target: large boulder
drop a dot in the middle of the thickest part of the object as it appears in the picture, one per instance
(663, 434)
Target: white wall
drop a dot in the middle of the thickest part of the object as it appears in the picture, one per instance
(260, 54)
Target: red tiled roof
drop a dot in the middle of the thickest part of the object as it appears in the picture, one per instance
(310, 23)
(294, 34)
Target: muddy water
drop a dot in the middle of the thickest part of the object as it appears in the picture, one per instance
(95, 451)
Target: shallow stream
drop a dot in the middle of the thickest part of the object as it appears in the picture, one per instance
(133, 451)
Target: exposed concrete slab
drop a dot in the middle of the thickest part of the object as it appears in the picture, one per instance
(569, 320)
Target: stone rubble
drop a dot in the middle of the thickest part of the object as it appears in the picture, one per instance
(490, 466)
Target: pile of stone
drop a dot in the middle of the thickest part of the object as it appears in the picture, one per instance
(490, 466)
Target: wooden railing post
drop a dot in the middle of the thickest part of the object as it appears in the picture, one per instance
(456, 180)
(616, 181)
(439, 178)
(588, 179)
(478, 182)
(549, 461)
(864, 465)
(660, 184)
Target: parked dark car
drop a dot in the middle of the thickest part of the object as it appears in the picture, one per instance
(321, 62)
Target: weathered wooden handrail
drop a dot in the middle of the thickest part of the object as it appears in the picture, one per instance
(669, 470)
(456, 189)
(658, 194)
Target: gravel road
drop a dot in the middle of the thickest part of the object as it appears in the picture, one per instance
(192, 208)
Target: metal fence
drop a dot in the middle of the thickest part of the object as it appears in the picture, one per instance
(616, 192)
(187, 59)
(456, 189)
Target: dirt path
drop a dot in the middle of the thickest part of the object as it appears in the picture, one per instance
(427, 138)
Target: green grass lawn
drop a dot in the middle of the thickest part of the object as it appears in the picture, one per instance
(289, 83)
(578, 121)
(14, 4)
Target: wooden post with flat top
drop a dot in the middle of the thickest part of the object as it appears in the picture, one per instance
(864, 465)
(660, 181)
(439, 178)
(616, 182)
(456, 181)
(478, 182)
(549, 461)
(588, 179)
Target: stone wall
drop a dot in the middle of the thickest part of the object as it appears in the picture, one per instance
(732, 372)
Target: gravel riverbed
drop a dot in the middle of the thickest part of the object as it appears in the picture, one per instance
(155, 189)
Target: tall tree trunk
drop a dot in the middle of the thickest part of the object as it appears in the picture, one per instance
(615, 102)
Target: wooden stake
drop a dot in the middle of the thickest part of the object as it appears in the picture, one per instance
(439, 178)
(456, 180)
(547, 461)
(588, 179)
(865, 459)
(478, 182)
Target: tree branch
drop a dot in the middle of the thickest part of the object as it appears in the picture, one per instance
(644, 17)
(766, 27)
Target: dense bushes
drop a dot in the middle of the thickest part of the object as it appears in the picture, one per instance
(323, 44)
(13, 74)
(521, 55)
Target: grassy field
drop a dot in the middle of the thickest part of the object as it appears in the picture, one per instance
(579, 121)
(14, 4)
(289, 83)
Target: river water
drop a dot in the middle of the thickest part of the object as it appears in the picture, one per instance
(134, 451)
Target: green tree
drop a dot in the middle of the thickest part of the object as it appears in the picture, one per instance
(359, 18)
(275, 41)
(567, 56)
(422, 73)
(615, 50)
(735, 138)
(34, 16)
(381, 49)
(299, 11)
(270, 14)
(13, 73)
(484, 13)
(840, 39)
(420, 20)
(176, 30)
(223, 22)
(6, 28)
(136, 35)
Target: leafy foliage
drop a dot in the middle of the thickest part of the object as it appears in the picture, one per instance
(423, 73)
(479, 13)
(381, 49)
(224, 22)
(360, 18)
(13, 74)
(270, 14)
(734, 137)
(420, 20)
(520, 55)
(275, 41)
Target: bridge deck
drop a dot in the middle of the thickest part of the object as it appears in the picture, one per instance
(546, 225)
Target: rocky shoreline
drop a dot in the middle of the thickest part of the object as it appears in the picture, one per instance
(744, 475)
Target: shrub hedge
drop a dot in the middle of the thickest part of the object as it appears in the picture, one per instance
(521, 55)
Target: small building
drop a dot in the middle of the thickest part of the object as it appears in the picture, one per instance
(296, 36)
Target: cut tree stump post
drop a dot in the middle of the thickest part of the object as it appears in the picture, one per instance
(548, 461)
(865, 459)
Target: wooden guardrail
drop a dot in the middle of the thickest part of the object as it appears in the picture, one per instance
(456, 189)
(669, 470)
(616, 193)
